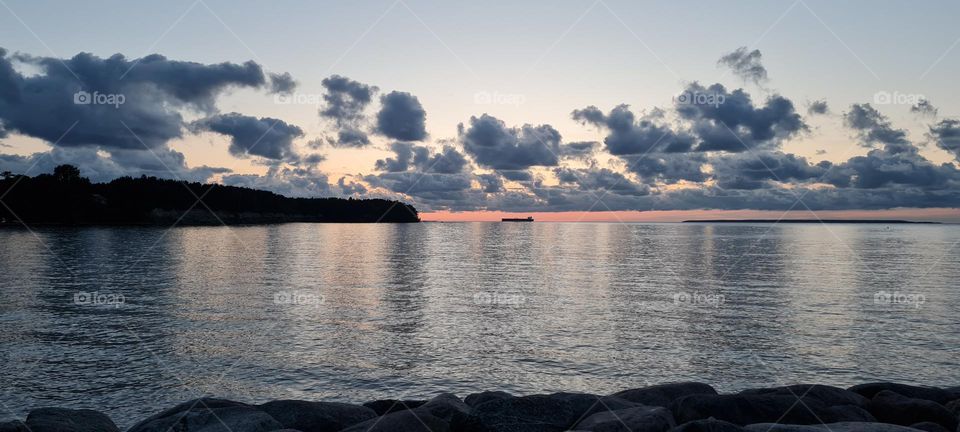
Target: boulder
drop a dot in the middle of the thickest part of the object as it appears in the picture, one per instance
(68, 420)
(891, 407)
(937, 395)
(829, 395)
(402, 421)
(209, 415)
(537, 413)
(954, 407)
(585, 404)
(479, 398)
(13, 426)
(664, 394)
(744, 409)
(829, 427)
(929, 427)
(309, 416)
(387, 406)
(445, 406)
(635, 419)
(708, 425)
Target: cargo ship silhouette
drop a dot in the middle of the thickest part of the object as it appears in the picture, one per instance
(526, 219)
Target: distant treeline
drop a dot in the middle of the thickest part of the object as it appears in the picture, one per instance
(66, 198)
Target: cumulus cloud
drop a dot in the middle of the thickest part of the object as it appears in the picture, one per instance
(401, 117)
(874, 128)
(818, 107)
(344, 103)
(282, 83)
(946, 134)
(924, 108)
(494, 145)
(250, 136)
(729, 121)
(630, 136)
(745, 64)
(581, 150)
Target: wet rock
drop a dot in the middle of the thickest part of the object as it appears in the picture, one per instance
(387, 406)
(664, 394)
(68, 420)
(829, 427)
(309, 416)
(209, 415)
(935, 394)
(537, 413)
(827, 394)
(479, 398)
(954, 407)
(13, 426)
(635, 419)
(708, 425)
(744, 409)
(891, 407)
(929, 427)
(445, 406)
(402, 421)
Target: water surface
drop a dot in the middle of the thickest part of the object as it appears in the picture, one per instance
(359, 312)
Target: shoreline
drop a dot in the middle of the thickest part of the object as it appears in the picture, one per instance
(678, 407)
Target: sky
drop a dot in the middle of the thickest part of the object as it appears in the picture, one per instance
(570, 110)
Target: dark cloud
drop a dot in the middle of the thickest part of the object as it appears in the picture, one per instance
(582, 150)
(668, 168)
(282, 83)
(344, 104)
(759, 170)
(630, 136)
(401, 117)
(745, 64)
(249, 136)
(924, 108)
(421, 158)
(516, 175)
(874, 128)
(818, 107)
(494, 145)
(490, 183)
(729, 121)
(601, 180)
(106, 99)
(946, 134)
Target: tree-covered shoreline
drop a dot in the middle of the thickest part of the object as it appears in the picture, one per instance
(67, 198)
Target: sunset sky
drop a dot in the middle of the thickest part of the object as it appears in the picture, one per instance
(593, 110)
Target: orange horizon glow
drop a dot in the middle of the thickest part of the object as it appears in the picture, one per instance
(947, 215)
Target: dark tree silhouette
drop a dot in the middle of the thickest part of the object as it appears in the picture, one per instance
(65, 197)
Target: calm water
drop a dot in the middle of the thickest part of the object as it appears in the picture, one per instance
(358, 312)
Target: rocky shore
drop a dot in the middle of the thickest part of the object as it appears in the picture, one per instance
(678, 407)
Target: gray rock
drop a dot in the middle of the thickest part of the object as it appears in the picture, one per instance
(387, 406)
(937, 395)
(744, 409)
(847, 413)
(316, 416)
(479, 398)
(402, 421)
(954, 407)
(708, 425)
(68, 420)
(635, 419)
(664, 394)
(13, 426)
(929, 427)
(209, 415)
(891, 407)
(829, 427)
(537, 413)
(827, 394)
(445, 406)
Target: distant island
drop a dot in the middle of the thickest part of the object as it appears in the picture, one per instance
(66, 198)
(829, 221)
